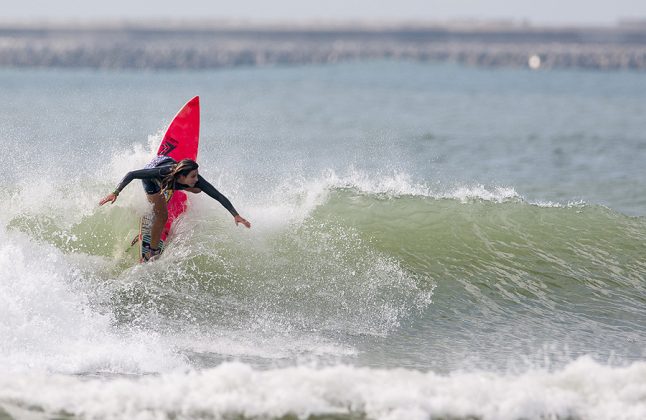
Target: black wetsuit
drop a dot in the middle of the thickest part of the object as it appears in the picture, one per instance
(151, 176)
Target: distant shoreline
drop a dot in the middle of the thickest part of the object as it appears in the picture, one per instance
(211, 44)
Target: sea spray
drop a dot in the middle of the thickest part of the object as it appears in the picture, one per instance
(584, 389)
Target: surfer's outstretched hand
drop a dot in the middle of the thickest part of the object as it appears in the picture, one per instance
(112, 197)
(239, 219)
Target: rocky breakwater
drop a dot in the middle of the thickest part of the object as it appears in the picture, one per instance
(212, 46)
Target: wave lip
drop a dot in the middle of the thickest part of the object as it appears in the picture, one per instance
(584, 389)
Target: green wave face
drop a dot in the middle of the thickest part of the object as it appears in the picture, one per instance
(502, 252)
(590, 245)
(511, 272)
(447, 271)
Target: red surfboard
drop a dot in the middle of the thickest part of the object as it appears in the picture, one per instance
(181, 141)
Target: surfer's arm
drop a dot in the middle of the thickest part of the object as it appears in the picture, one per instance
(203, 185)
(150, 173)
(210, 190)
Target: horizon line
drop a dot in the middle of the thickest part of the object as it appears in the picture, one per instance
(330, 24)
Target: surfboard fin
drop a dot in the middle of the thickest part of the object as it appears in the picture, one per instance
(134, 241)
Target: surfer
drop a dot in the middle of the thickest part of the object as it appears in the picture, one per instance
(165, 174)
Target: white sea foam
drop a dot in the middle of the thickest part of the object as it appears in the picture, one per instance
(47, 322)
(295, 199)
(236, 343)
(552, 204)
(400, 184)
(583, 389)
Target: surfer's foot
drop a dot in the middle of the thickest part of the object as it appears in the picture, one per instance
(151, 254)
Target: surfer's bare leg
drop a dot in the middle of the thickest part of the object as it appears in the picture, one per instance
(160, 215)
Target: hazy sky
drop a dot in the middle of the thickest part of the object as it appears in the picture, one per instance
(538, 11)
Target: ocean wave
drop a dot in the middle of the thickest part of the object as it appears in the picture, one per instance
(330, 258)
(584, 389)
(399, 228)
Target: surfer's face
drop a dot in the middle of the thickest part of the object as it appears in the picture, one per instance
(190, 179)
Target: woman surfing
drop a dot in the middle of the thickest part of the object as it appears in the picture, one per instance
(164, 174)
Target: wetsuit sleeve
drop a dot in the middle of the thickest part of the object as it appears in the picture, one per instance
(151, 173)
(210, 190)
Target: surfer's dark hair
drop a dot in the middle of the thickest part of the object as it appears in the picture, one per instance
(181, 168)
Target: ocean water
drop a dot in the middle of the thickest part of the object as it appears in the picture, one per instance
(428, 241)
